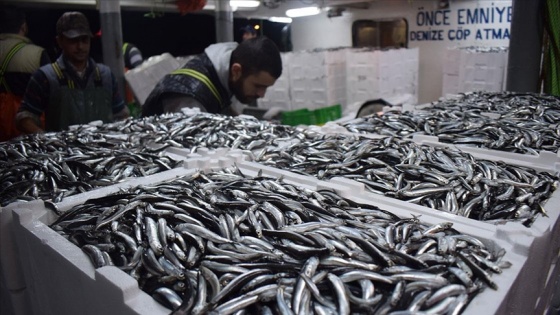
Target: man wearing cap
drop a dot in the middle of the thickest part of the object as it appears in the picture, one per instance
(248, 32)
(19, 58)
(73, 89)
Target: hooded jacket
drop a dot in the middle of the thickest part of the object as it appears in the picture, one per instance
(204, 78)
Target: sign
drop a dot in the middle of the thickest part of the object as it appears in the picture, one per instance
(486, 21)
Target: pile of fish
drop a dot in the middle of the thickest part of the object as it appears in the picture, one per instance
(527, 123)
(54, 166)
(531, 106)
(437, 177)
(220, 242)
(202, 130)
(482, 49)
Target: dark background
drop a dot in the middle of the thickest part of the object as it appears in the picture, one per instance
(177, 34)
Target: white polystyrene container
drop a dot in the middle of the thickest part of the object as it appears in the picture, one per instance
(60, 279)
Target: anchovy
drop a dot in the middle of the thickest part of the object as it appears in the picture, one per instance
(373, 260)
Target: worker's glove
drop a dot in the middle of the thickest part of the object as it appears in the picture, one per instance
(272, 113)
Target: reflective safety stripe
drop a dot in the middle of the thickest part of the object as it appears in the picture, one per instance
(7, 60)
(124, 47)
(97, 77)
(201, 77)
(71, 83)
(60, 75)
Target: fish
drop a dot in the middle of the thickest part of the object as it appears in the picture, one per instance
(256, 271)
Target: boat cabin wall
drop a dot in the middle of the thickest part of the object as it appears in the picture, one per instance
(430, 28)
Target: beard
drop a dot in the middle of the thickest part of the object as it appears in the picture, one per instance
(237, 89)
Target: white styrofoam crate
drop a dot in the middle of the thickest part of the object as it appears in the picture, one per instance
(285, 104)
(14, 302)
(363, 83)
(361, 95)
(10, 263)
(60, 278)
(511, 297)
(477, 71)
(327, 83)
(10, 266)
(361, 56)
(278, 93)
(545, 161)
(64, 281)
(451, 64)
(536, 243)
(300, 104)
(550, 299)
(365, 71)
(143, 79)
(494, 86)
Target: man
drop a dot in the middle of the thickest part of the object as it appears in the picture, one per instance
(248, 32)
(210, 80)
(19, 58)
(74, 89)
(132, 59)
(132, 56)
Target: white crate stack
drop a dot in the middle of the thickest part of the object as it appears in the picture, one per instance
(469, 69)
(317, 78)
(143, 79)
(362, 75)
(278, 95)
(373, 74)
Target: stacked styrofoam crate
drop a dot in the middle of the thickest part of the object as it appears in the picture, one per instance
(143, 79)
(373, 74)
(278, 95)
(317, 78)
(410, 64)
(362, 77)
(474, 69)
(398, 72)
(62, 280)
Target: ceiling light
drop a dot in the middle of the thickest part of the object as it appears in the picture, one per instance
(244, 3)
(280, 19)
(234, 4)
(303, 12)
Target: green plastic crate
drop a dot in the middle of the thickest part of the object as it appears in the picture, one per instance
(315, 117)
(298, 117)
(326, 114)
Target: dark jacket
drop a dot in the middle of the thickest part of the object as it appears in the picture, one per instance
(197, 79)
(67, 99)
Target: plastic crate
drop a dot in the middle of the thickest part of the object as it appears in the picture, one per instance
(315, 117)
(298, 117)
(326, 114)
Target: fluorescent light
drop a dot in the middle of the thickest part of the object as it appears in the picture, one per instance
(234, 4)
(244, 3)
(280, 19)
(303, 12)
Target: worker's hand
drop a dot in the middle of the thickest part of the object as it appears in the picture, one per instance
(272, 113)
